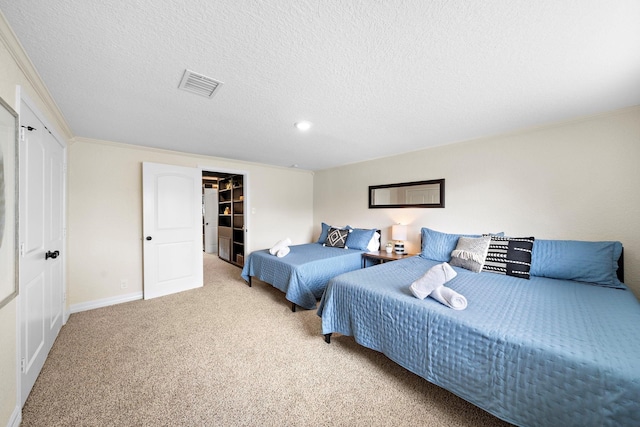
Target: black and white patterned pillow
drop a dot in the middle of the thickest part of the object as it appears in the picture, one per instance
(510, 256)
(337, 238)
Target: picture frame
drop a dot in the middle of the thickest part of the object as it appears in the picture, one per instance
(9, 132)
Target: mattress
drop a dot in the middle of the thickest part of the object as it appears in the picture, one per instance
(532, 352)
(304, 273)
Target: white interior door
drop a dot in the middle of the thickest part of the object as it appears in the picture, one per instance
(172, 227)
(41, 245)
(211, 220)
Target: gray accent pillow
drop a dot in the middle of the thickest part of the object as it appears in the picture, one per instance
(471, 252)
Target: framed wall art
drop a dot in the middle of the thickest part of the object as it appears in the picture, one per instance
(8, 203)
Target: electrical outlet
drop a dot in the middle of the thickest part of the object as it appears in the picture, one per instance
(123, 283)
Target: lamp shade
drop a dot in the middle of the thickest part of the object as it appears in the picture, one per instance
(399, 232)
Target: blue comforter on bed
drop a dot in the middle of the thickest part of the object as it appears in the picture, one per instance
(532, 352)
(304, 273)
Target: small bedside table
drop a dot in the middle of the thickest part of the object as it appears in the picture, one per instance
(382, 257)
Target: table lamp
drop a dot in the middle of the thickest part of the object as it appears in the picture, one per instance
(399, 234)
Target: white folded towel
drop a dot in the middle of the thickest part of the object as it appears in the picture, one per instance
(435, 277)
(431, 285)
(449, 297)
(281, 244)
(282, 252)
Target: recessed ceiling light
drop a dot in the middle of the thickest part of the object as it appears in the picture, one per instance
(303, 126)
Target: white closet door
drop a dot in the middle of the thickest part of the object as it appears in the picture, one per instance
(211, 220)
(41, 245)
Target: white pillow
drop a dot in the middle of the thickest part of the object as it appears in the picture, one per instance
(374, 243)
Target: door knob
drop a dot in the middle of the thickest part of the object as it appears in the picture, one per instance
(148, 237)
(50, 254)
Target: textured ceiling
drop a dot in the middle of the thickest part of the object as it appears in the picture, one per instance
(375, 77)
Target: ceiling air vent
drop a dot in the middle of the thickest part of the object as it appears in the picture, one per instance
(199, 84)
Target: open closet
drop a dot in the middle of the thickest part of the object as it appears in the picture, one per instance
(223, 221)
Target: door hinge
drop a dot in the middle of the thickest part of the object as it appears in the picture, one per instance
(22, 249)
(23, 128)
(23, 365)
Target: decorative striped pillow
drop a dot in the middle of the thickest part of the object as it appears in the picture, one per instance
(510, 256)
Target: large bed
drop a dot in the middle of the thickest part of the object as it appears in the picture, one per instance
(544, 351)
(305, 271)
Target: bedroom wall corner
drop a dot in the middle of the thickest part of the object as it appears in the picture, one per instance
(105, 202)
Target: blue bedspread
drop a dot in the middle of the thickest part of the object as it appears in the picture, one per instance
(532, 352)
(304, 273)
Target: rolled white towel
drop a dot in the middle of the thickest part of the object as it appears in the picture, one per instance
(281, 244)
(282, 252)
(436, 276)
(449, 297)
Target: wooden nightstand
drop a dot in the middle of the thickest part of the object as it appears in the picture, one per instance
(382, 257)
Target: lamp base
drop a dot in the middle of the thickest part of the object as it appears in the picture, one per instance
(399, 248)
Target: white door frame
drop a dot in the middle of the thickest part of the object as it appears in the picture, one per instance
(247, 195)
(21, 96)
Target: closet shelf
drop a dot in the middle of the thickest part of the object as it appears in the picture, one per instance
(231, 233)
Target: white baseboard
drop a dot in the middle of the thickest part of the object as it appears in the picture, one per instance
(104, 302)
(16, 417)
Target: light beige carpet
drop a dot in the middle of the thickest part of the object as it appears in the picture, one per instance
(227, 355)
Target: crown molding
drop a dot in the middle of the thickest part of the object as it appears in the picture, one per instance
(15, 49)
(78, 140)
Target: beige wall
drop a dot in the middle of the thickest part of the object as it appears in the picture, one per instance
(576, 180)
(8, 384)
(105, 212)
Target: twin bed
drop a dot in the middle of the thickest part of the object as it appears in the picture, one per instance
(305, 271)
(562, 348)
